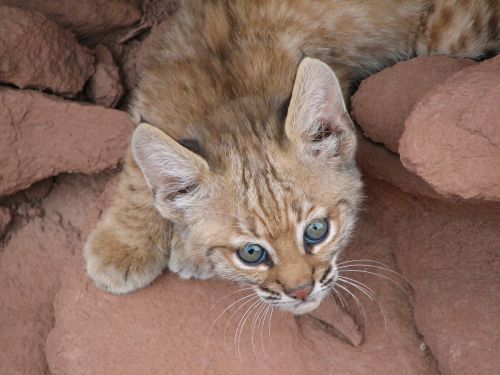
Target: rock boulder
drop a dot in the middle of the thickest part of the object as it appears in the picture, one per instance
(89, 19)
(452, 138)
(384, 100)
(37, 53)
(43, 136)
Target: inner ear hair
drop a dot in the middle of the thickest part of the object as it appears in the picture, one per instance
(323, 131)
(170, 169)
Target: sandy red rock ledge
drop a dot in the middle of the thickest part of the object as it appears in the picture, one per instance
(430, 156)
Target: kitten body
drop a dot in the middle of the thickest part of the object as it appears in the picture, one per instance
(252, 141)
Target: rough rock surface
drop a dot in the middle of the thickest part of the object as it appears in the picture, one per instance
(39, 189)
(37, 53)
(30, 266)
(105, 87)
(377, 161)
(452, 137)
(451, 255)
(446, 323)
(384, 101)
(150, 334)
(43, 136)
(5, 219)
(90, 19)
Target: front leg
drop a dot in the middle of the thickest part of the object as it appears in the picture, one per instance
(183, 265)
(128, 248)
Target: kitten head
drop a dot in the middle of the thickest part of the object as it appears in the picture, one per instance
(279, 212)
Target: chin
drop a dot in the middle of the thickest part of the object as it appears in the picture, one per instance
(304, 307)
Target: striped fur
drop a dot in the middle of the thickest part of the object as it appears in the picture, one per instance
(251, 137)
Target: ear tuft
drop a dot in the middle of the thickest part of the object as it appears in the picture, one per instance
(172, 171)
(317, 117)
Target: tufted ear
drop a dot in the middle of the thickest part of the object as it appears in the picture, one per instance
(317, 119)
(173, 172)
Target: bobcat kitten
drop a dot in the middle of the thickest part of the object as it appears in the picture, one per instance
(248, 173)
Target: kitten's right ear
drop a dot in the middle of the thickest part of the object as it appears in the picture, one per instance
(317, 119)
(173, 173)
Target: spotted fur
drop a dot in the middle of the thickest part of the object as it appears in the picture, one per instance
(252, 140)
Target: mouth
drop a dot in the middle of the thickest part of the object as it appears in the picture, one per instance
(302, 307)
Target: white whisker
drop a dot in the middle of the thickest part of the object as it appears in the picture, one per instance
(269, 327)
(243, 320)
(263, 320)
(368, 292)
(360, 306)
(235, 311)
(342, 300)
(374, 266)
(228, 295)
(379, 275)
(227, 308)
(255, 319)
(364, 289)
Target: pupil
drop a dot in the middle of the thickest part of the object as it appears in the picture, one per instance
(251, 251)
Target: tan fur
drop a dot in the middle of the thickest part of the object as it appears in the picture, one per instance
(461, 28)
(276, 145)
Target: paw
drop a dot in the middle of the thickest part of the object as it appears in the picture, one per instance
(124, 277)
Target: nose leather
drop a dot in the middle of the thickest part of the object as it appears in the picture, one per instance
(300, 292)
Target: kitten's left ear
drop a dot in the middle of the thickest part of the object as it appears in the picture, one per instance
(317, 119)
(174, 173)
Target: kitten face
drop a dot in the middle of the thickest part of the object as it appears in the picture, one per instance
(281, 232)
(277, 215)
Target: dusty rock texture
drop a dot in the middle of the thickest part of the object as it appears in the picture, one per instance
(5, 219)
(451, 255)
(39, 189)
(43, 136)
(384, 101)
(89, 19)
(30, 266)
(37, 53)
(452, 137)
(150, 334)
(378, 161)
(440, 116)
(105, 87)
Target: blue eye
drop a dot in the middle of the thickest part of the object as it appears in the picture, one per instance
(316, 231)
(252, 254)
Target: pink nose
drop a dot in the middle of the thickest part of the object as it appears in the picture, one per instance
(300, 292)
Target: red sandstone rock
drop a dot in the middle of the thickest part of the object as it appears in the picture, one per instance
(37, 53)
(89, 19)
(452, 137)
(39, 189)
(170, 325)
(105, 87)
(384, 101)
(43, 136)
(377, 161)
(5, 219)
(153, 12)
(30, 266)
(450, 253)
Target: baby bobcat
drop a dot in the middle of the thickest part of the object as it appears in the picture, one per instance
(248, 173)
